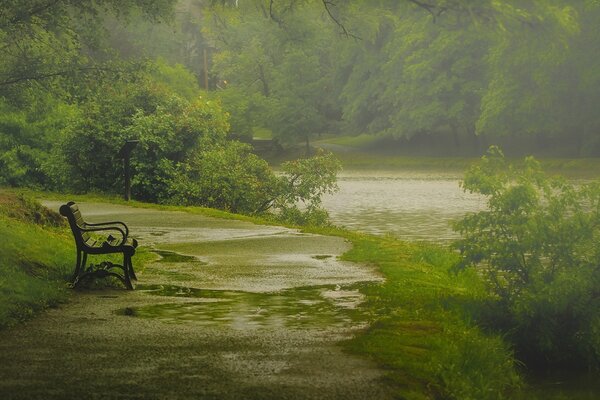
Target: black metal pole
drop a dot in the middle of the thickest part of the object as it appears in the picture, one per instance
(125, 154)
(127, 170)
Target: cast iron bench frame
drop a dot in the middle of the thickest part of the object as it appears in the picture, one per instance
(86, 245)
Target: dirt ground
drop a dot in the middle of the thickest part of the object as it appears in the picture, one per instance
(230, 310)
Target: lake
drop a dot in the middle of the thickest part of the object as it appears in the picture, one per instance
(411, 205)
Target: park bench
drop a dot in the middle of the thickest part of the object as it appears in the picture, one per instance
(88, 242)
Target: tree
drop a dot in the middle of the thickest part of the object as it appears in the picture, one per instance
(284, 67)
(45, 40)
(168, 127)
(419, 78)
(537, 248)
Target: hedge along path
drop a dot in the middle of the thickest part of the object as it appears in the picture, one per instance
(228, 310)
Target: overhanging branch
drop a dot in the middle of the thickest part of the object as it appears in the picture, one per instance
(327, 4)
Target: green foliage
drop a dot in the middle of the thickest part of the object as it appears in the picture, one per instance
(26, 136)
(537, 246)
(524, 73)
(227, 177)
(177, 79)
(168, 128)
(245, 110)
(184, 157)
(301, 189)
(275, 75)
(474, 366)
(55, 43)
(169, 137)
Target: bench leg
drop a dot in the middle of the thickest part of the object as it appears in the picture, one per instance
(131, 271)
(127, 271)
(79, 264)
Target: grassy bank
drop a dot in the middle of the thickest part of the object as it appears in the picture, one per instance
(36, 256)
(583, 168)
(114, 199)
(421, 330)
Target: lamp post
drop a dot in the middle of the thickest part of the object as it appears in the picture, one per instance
(125, 154)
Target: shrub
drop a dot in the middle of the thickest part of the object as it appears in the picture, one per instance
(301, 188)
(185, 157)
(226, 176)
(26, 136)
(537, 245)
(229, 177)
(168, 127)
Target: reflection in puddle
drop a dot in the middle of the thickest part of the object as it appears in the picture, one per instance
(314, 307)
(172, 257)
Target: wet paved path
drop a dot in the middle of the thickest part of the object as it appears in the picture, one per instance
(230, 310)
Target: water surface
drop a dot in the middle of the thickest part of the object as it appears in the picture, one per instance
(409, 205)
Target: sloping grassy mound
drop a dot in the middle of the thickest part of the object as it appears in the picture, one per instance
(36, 256)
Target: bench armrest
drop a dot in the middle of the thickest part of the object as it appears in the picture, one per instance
(108, 228)
(111, 223)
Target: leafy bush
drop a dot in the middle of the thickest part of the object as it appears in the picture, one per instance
(301, 188)
(225, 176)
(170, 138)
(26, 135)
(185, 157)
(229, 177)
(538, 248)
(168, 127)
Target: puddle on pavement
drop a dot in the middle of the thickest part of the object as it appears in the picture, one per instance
(312, 307)
(172, 257)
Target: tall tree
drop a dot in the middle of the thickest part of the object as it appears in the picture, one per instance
(277, 70)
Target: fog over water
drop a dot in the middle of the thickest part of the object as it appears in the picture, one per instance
(409, 205)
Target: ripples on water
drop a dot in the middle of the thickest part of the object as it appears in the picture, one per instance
(412, 206)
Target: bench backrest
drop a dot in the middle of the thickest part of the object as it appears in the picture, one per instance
(76, 222)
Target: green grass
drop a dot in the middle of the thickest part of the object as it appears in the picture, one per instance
(114, 199)
(373, 161)
(262, 133)
(421, 330)
(35, 260)
(357, 142)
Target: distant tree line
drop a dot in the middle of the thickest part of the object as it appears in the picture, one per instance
(461, 73)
